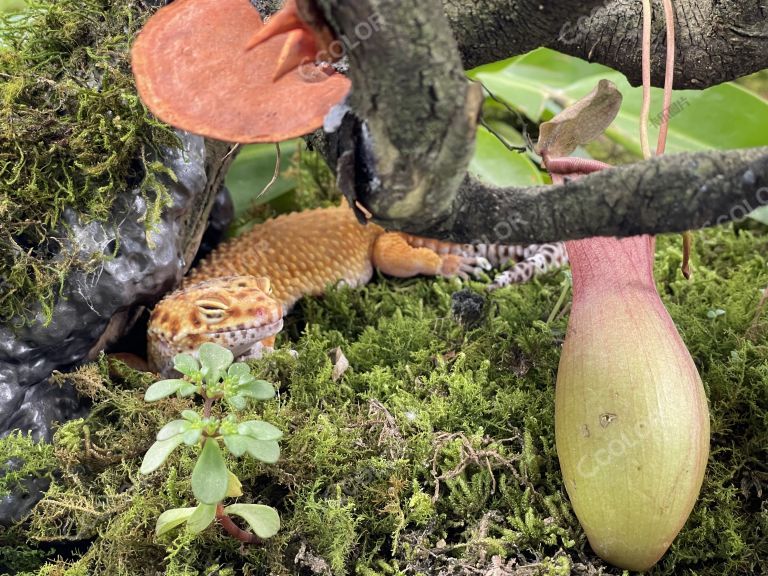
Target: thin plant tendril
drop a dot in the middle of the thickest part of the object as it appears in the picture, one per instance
(645, 112)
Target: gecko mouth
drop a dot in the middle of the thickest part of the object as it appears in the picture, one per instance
(251, 334)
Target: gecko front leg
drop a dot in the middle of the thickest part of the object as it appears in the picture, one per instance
(395, 254)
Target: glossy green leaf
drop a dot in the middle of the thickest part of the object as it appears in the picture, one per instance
(253, 169)
(536, 83)
(263, 520)
(173, 428)
(210, 475)
(260, 430)
(493, 163)
(158, 453)
(722, 117)
(169, 519)
(201, 518)
(543, 82)
(163, 389)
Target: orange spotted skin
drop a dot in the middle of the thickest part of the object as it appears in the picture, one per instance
(301, 253)
(237, 312)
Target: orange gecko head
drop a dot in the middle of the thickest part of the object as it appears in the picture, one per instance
(213, 68)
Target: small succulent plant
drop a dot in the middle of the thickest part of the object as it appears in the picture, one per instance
(214, 377)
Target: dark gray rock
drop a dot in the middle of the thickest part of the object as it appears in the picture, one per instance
(96, 308)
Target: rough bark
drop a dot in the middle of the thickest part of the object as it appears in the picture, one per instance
(420, 143)
(717, 41)
(405, 161)
(667, 194)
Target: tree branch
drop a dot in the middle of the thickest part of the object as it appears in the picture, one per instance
(406, 163)
(717, 41)
(420, 110)
(670, 193)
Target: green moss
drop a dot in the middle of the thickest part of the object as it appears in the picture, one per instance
(435, 451)
(73, 134)
(23, 458)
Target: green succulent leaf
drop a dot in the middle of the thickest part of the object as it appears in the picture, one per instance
(210, 475)
(192, 436)
(237, 402)
(188, 389)
(201, 518)
(191, 415)
(239, 370)
(258, 390)
(263, 520)
(246, 380)
(214, 357)
(163, 389)
(173, 428)
(236, 444)
(260, 430)
(265, 450)
(158, 453)
(186, 364)
(169, 519)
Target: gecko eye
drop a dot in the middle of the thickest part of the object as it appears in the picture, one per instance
(212, 310)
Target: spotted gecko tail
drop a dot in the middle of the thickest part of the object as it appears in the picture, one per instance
(537, 259)
(528, 260)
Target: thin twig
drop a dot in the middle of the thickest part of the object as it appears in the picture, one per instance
(687, 248)
(502, 139)
(511, 110)
(275, 175)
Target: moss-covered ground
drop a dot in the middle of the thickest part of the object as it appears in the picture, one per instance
(433, 454)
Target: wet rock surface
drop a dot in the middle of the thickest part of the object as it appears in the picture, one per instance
(96, 307)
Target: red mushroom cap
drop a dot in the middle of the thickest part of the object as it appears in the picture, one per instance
(193, 70)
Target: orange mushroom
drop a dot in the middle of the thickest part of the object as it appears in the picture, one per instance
(194, 69)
